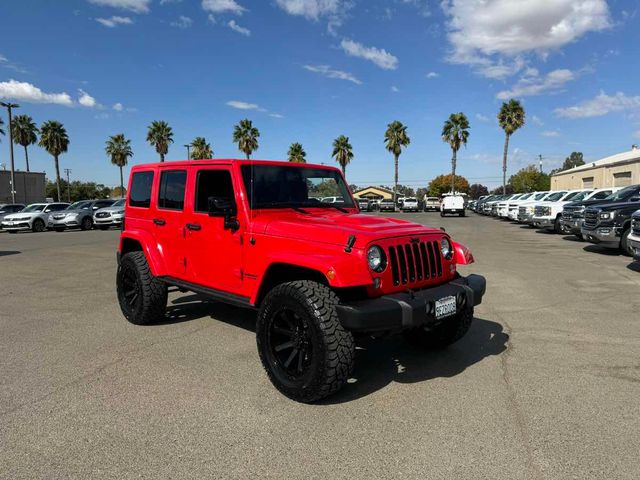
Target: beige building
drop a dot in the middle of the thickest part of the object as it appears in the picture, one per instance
(617, 170)
(374, 193)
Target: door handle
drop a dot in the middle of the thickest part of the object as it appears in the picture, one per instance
(193, 226)
(159, 221)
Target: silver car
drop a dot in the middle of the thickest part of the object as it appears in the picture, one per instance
(8, 209)
(33, 217)
(77, 215)
(112, 216)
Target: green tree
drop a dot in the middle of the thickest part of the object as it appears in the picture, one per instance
(79, 190)
(160, 136)
(406, 191)
(444, 183)
(455, 132)
(24, 133)
(574, 160)
(395, 138)
(511, 117)
(1, 124)
(118, 148)
(296, 153)
(421, 192)
(477, 190)
(342, 152)
(200, 149)
(246, 136)
(54, 139)
(529, 179)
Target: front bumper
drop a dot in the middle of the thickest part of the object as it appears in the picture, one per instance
(117, 220)
(63, 222)
(11, 226)
(410, 309)
(634, 241)
(571, 225)
(543, 222)
(604, 236)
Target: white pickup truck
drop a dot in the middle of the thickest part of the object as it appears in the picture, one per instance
(547, 215)
(452, 205)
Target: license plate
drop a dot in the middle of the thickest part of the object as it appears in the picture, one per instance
(445, 307)
(9, 223)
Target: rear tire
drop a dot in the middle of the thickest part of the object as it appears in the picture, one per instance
(304, 349)
(449, 331)
(38, 225)
(142, 297)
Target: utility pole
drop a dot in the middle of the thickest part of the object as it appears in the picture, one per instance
(188, 146)
(67, 171)
(9, 106)
(540, 159)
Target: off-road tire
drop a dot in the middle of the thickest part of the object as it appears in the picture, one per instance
(449, 331)
(625, 246)
(86, 224)
(38, 225)
(151, 302)
(333, 348)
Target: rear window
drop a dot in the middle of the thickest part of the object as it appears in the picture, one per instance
(140, 195)
(171, 194)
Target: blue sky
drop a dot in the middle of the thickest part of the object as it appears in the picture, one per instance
(310, 70)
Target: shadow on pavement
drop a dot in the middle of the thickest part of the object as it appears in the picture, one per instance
(609, 252)
(383, 361)
(572, 238)
(634, 266)
(6, 253)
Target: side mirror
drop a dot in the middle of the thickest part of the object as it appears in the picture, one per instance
(224, 207)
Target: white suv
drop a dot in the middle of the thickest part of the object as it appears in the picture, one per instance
(33, 217)
(548, 214)
(410, 204)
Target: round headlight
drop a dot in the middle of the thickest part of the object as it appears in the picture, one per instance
(445, 248)
(376, 259)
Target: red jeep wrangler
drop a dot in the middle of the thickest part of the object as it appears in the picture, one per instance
(257, 234)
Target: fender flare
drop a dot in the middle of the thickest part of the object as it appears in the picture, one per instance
(148, 246)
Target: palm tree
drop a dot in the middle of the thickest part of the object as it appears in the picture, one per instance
(510, 117)
(118, 148)
(246, 136)
(456, 133)
(24, 133)
(1, 130)
(54, 139)
(342, 152)
(297, 154)
(395, 138)
(160, 135)
(200, 149)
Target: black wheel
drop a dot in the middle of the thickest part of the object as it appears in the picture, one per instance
(556, 225)
(579, 235)
(625, 245)
(302, 345)
(142, 297)
(441, 336)
(86, 223)
(38, 225)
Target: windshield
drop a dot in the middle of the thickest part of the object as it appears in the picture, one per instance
(78, 205)
(580, 196)
(34, 208)
(540, 196)
(622, 195)
(571, 196)
(525, 196)
(119, 203)
(555, 196)
(275, 186)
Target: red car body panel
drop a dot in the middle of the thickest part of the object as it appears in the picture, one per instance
(235, 261)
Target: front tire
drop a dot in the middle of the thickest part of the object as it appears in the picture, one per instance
(142, 297)
(304, 349)
(557, 228)
(441, 336)
(38, 225)
(86, 223)
(625, 246)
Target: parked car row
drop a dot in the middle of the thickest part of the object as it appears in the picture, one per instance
(60, 216)
(609, 217)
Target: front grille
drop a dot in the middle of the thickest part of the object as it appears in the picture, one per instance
(411, 262)
(572, 212)
(103, 214)
(635, 226)
(591, 218)
(540, 211)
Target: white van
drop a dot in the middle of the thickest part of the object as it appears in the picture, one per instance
(452, 205)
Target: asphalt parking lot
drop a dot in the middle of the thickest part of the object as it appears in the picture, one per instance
(545, 385)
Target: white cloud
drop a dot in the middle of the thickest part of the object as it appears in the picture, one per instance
(276, 115)
(223, 6)
(550, 133)
(136, 6)
(118, 107)
(86, 100)
(114, 21)
(4, 62)
(432, 75)
(182, 22)
(380, 57)
(333, 10)
(26, 92)
(600, 105)
(486, 34)
(237, 28)
(164, 2)
(533, 84)
(394, 89)
(102, 116)
(481, 117)
(212, 19)
(536, 120)
(240, 105)
(327, 71)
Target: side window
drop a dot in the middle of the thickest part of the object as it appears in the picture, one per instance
(212, 183)
(140, 195)
(601, 195)
(171, 195)
(98, 205)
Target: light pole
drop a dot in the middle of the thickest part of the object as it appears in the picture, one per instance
(188, 146)
(540, 158)
(67, 171)
(9, 106)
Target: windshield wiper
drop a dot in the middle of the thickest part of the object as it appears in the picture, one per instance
(333, 205)
(291, 205)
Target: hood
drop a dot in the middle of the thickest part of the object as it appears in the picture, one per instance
(588, 203)
(335, 227)
(13, 216)
(606, 207)
(109, 209)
